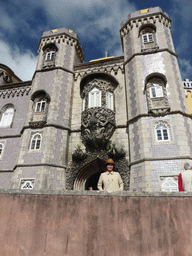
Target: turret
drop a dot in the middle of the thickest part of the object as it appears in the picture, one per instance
(45, 136)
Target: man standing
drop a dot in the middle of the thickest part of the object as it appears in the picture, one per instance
(110, 180)
(185, 179)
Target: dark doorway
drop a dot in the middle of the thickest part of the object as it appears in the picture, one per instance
(92, 181)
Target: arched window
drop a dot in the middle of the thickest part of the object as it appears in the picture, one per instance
(1, 149)
(94, 98)
(40, 107)
(156, 94)
(36, 141)
(7, 117)
(162, 132)
(49, 55)
(148, 38)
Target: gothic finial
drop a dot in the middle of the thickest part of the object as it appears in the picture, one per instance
(106, 54)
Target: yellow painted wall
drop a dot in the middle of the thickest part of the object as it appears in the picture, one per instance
(189, 101)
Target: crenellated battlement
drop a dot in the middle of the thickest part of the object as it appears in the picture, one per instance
(145, 18)
(59, 36)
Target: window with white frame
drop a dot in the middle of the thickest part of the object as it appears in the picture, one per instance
(94, 98)
(36, 141)
(7, 117)
(147, 38)
(40, 106)
(162, 132)
(109, 100)
(156, 91)
(50, 55)
(1, 149)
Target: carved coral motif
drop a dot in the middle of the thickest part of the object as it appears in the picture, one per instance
(115, 152)
(98, 125)
(78, 155)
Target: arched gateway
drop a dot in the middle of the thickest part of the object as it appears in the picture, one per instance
(85, 173)
(88, 176)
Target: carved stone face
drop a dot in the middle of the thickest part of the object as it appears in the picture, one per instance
(4, 77)
(98, 125)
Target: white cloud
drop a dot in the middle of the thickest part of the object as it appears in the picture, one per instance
(22, 63)
(6, 22)
(181, 20)
(183, 9)
(185, 68)
(91, 19)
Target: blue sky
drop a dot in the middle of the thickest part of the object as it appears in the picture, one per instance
(97, 23)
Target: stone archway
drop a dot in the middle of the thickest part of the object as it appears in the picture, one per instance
(89, 175)
(92, 181)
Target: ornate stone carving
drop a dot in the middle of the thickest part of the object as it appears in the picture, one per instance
(37, 124)
(98, 125)
(115, 152)
(100, 84)
(48, 64)
(105, 69)
(6, 77)
(7, 93)
(78, 155)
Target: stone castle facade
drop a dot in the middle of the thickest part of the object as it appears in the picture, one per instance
(57, 131)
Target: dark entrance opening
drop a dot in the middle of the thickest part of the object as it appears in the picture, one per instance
(92, 181)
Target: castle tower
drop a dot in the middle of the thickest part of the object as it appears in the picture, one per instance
(159, 126)
(44, 146)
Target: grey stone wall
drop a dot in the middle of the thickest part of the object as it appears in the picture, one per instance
(18, 96)
(43, 177)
